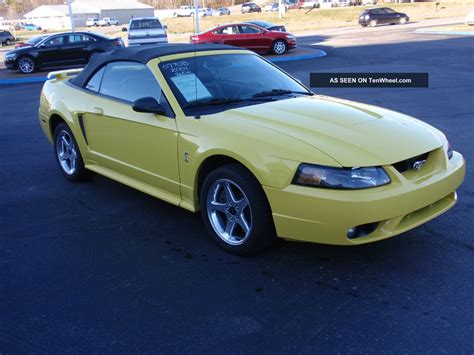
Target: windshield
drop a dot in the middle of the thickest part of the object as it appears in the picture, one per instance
(36, 39)
(145, 24)
(219, 82)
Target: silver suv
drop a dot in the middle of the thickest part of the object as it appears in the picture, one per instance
(145, 30)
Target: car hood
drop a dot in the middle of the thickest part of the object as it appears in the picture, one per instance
(21, 50)
(353, 134)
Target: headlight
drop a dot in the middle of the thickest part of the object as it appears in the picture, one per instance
(340, 178)
(447, 149)
(366, 17)
(290, 36)
(9, 56)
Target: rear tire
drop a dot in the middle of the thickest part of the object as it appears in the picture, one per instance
(68, 156)
(236, 211)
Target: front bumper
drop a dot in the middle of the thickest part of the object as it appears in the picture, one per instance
(325, 215)
(10, 64)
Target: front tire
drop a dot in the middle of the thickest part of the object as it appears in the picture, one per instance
(26, 65)
(235, 210)
(8, 42)
(373, 23)
(279, 47)
(403, 21)
(68, 155)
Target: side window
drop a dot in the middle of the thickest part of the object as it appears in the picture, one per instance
(78, 38)
(129, 81)
(56, 41)
(94, 83)
(249, 29)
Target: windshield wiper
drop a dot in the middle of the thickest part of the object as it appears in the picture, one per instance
(280, 92)
(216, 101)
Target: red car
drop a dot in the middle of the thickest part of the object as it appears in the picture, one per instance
(248, 36)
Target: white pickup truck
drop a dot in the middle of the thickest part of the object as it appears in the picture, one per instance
(109, 21)
(184, 11)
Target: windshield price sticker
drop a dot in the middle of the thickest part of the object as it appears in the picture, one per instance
(191, 87)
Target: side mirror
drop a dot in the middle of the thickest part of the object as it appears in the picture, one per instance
(165, 27)
(124, 29)
(148, 104)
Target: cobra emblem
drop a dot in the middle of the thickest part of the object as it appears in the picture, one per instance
(418, 164)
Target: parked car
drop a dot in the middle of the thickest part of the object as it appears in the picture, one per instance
(221, 11)
(184, 11)
(369, 2)
(62, 49)
(146, 30)
(31, 27)
(309, 4)
(341, 3)
(271, 7)
(109, 21)
(248, 36)
(250, 7)
(268, 25)
(203, 12)
(31, 41)
(382, 15)
(92, 22)
(327, 4)
(248, 146)
(469, 20)
(6, 38)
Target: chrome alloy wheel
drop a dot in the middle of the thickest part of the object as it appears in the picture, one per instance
(66, 152)
(26, 65)
(279, 47)
(229, 211)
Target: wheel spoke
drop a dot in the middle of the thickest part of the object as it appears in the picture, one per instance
(241, 204)
(230, 226)
(242, 221)
(220, 207)
(229, 195)
(63, 156)
(65, 142)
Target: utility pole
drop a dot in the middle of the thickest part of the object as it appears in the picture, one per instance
(71, 15)
(196, 14)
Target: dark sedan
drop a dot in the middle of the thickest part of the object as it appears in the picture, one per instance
(268, 26)
(382, 15)
(6, 38)
(63, 49)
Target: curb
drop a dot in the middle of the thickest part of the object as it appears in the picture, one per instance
(458, 33)
(318, 53)
(41, 79)
(36, 79)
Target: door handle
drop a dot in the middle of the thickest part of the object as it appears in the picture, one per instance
(98, 111)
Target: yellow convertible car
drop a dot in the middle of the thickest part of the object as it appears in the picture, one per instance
(221, 130)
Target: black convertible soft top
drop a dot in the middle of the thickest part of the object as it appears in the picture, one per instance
(141, 54)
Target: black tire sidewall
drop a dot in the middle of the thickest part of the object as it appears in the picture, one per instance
(263, 229)
(81, 172)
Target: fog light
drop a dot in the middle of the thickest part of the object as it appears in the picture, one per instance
(362, 230)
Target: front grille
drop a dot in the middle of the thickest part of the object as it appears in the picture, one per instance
(409, 164)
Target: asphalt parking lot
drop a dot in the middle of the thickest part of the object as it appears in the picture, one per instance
(99, 267)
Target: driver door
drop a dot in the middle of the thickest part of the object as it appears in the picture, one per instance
(140, 146)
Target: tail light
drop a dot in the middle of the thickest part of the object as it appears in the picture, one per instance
(194, 39)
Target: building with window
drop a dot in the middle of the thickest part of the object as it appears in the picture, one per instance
(57, 16)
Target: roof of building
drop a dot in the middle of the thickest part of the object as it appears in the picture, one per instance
(142, 54)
